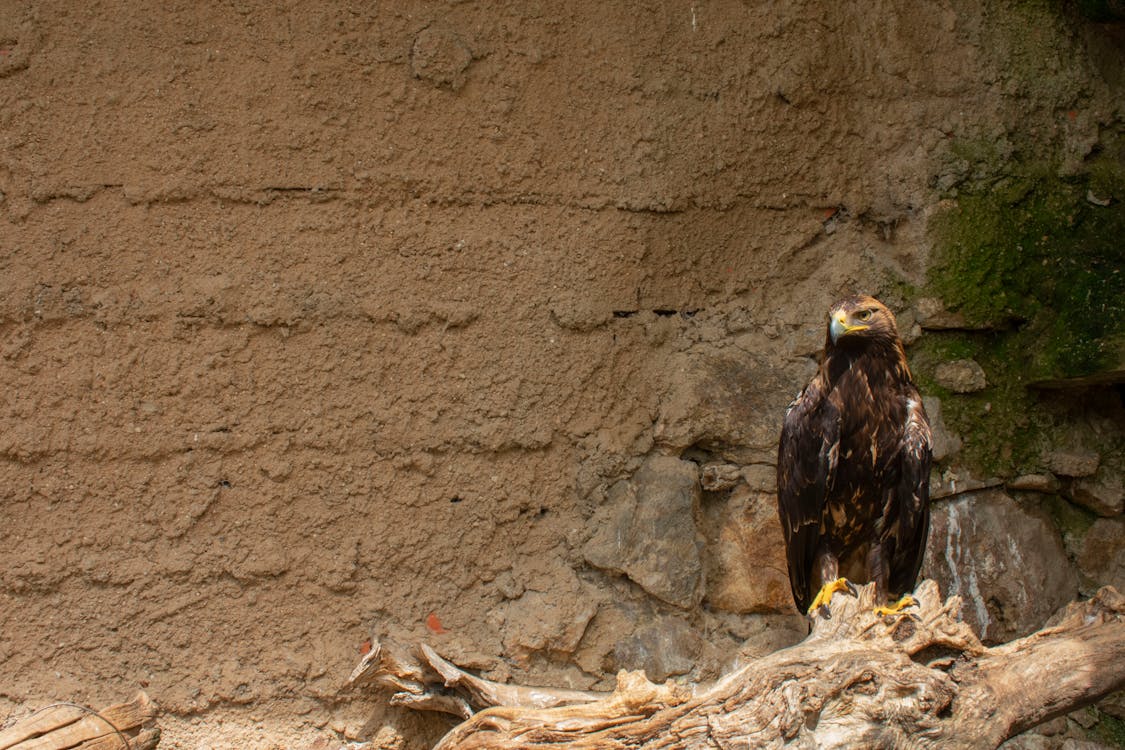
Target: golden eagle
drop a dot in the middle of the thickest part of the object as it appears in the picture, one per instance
(853, 464)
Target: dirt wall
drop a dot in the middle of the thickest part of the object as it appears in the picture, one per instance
(317, 320)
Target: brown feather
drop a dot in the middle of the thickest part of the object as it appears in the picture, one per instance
(854, 459)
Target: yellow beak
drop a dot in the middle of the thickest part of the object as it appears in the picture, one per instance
(840, 326)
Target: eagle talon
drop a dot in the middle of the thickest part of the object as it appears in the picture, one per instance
(898, 607)
(824, 597)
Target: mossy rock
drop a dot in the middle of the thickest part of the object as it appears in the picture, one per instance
(1003, 427)
(1041, 257)
(1035, 263)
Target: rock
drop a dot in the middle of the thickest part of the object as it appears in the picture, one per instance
(1102, 555)
(1072, 743)
(734, 405)
(1009, 566)
(926, 309)
(765, 634)
(551, 621)
(1046, 483)
(662, 648)
(961, 376)
(1072, 463)
(908, 329)
(1101, 493)
(1028, 741)
(1055, 726)
(760, 477)
(542, 621)
(339, 574)
(440, 57)
(805, 342)
(615, 620)
(646, 530)
(1114, 704)
(509, 586)
(746, 570)
(1114, 375)
(930, 314)
(957, 481)
(945, 443)
(719, 477)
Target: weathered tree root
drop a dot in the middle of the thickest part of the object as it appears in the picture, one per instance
(918, 680)
(71, 726)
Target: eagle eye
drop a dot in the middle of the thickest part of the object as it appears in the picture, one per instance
(863, 315)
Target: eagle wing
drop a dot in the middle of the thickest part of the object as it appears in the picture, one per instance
(806, 464)
(912, 497)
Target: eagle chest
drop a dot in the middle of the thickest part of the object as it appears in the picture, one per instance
(862, 460)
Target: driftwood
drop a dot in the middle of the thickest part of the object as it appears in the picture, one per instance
(858, 680)
(63, 726)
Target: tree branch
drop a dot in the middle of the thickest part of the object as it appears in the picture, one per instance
(923, 680)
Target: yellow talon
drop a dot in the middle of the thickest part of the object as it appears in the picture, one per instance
(824, 596)
(897, 607)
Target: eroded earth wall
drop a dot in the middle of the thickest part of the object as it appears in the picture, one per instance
(465, 322)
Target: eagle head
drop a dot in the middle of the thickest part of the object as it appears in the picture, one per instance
(860, 319)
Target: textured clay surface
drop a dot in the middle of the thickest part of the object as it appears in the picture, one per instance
(333, 321)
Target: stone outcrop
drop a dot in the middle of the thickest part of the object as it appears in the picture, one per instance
(1009, 565)
(646, 531)
(961, 376)
(747, 571)
(1101, 493)
(1101, 559)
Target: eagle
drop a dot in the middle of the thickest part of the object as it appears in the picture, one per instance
(853, 465)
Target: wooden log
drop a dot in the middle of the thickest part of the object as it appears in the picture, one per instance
(64, 726)
(40, 722)
(859, 680)
(145, 739)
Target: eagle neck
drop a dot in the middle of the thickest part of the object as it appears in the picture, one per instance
(876, 359)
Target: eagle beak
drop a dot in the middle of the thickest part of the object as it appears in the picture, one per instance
(839, 326)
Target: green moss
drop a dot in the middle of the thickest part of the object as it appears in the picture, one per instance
(1109, 729)
(1034, 253)
(1031, 247)
(1002, 428)
(1039, 268)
